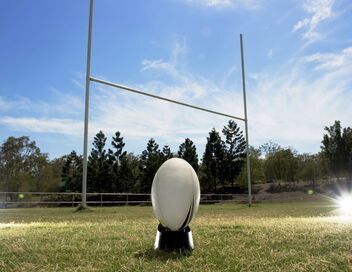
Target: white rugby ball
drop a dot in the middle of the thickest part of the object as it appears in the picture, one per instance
(175, 194)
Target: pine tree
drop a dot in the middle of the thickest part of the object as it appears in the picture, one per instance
(128, 174)
(235, 151)
(188, 152)
(99, 179)
(166, 154)
(150, 161)
(71, 177)
(114, 160)
(213, 159)
(118, 144)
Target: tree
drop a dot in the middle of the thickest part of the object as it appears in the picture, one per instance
(257, 173)
(71, 180)
(99, 175)
(53, 173)
(213, 159)
(234, 152)
(188, 152)
(150, 161)
(269, 148)
(22, 165)
(347, 138)
(115, 160)
(129, 174)
(337, 148)
(166, 154)
(118, 144)
(311, 168)
(280, 164)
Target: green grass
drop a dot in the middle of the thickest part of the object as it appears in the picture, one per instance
(306, 236)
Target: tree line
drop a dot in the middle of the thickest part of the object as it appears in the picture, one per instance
(222, 168)
(116, 170)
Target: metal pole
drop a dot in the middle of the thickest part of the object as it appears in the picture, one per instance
(246, 126)
(86, 110)
(122, 87)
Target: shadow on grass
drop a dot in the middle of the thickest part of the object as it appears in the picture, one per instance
(151, 254)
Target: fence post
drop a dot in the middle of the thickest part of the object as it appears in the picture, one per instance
(72, 199)
(101, 200)
(127, 199)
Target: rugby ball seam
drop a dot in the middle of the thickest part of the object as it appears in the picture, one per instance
(185, 223)
(190, 214)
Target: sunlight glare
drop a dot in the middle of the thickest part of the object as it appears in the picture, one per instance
(345, 204)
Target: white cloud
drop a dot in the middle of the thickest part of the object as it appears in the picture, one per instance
(294, 105)
(16, 104)
(293, 109)
(60, 114)
(179, 49)
(318, 11)
(186, 82)
(47, 125)
(301, 24)
(62, 103)
(329, 61)
(218, 3)
(158, 64)
(247, 4)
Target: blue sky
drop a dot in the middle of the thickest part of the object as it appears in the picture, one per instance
(298, 57)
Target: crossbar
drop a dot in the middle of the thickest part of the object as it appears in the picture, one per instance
(122, 87)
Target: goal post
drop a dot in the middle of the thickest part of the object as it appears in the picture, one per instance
(90, 79)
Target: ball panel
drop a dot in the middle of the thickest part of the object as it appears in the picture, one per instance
(196, 192)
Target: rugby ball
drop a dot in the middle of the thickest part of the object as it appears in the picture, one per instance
(175, 194)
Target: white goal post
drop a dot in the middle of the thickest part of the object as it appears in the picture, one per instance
(90, 78)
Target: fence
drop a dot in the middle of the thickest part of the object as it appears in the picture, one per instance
(30, 199)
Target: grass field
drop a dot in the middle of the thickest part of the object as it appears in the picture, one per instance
(306, 236)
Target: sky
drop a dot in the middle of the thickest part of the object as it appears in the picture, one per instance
(298, 62)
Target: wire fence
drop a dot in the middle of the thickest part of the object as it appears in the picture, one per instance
(32, 199)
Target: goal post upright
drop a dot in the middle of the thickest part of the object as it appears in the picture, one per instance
(246, 125)
(86, 109)
(89, 78)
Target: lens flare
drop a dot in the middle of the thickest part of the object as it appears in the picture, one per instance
(345, 204)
